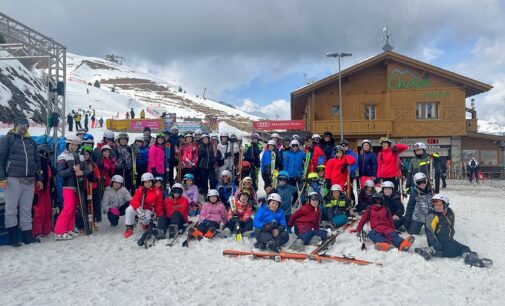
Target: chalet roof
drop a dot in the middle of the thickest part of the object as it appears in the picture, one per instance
(472, 87)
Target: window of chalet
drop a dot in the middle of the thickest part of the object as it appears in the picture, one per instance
(427, 110)
(370, 112)
(335, 110)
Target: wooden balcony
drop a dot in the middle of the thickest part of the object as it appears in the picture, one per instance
(354, 127)
(471, 125)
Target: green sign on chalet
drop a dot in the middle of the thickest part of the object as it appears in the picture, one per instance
(405, 79)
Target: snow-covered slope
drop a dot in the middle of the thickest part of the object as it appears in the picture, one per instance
(490, 127)
(106, 269)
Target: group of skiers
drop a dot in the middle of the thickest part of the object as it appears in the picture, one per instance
(160, 181)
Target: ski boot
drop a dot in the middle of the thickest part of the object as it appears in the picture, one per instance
(406, 243)
(64, 236)
(273, 246)
(427, 252)
(13, 237)
(298, 245)
(129, 231)
(383, 246)
(315, 241)
(473, 260)
(210, 233)
(195, 233)
(172, 230)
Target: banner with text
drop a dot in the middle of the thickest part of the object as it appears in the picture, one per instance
(270, 125)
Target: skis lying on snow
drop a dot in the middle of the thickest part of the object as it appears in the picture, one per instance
(178, 235)
(331, 239)
(298, 256)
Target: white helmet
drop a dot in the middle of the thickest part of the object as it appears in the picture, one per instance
(296, 137)
(212, 192)
(336, 187)
(271, 142)
(108, 134)
(316, 195)
(369, 183)
(226, 173)
(205, 136)
(388, 184)
(72, 139)
(366, 141)
(148, 176)
(198, 131)
(294, 142)
(419, 145)
(177, 186)
(274, 135)
(224, 134)
(442, 197)
(316, 136)
(105, 147)
(419, 176)
(189, 135)
(247, 179)
(274, 197)
(117, 178)
(139, 138)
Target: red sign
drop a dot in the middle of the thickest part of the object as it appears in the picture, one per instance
(269, 125)
(140, 124)
(432, 141)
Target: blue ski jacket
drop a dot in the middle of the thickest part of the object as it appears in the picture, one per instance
(367, 164)
(292, 162)
(264, 215)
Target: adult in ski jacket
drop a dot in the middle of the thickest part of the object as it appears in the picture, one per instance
(293, 162)
(336, 168)
(208, 157)
(388, 161)
(156, 157)
(421, 162)
(228, 150)
(252, 155)
(367, 163)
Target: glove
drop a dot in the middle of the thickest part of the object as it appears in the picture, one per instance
(142, 215)
(114, 211)
(394, 149)
(354, 230)
(344, 167)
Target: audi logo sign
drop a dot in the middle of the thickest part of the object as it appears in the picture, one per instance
(268, 125)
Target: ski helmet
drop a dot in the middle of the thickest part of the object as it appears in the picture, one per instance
(419, 178)
(105, 147)
(108, 135)
(274, 197)
(225, 173)
(336, 187)
(88, 138)
(73, 140)
(316, 137)
(148, 176)
(315, 196)
(369, 183)
(255, 136)
(274, 135)
(442, 197)
(283, 174)
(385, 139)
(118, 179)
(233, 137)
(338, 148)
(189, 134)
(419, 146)
(212, 192)
(139, 138)
(225, 134)
(81, 131)
(174, 129)
(320, 168)
(366, 141)
(271, 142)
(328, 133)
(123, 136)
(344, 142)
(205, 136)
(295, 137)
(388, 184)
(247, 179)
(294, 142)
(244, 191)
(188, 176)
(198, 132)
(312, 176)
(177, 188)
(158, 179)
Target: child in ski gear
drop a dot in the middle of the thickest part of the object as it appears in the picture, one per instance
(90, 188)
(72, 170)
(365, 196)
(191, 193)
(226, 187)
(42, 200)
(141, 154)
(251, 155)
(388, 161)
(321, 181)
(156, 159)
(147, 201)
(242, 214)
(124, 161)
(349, 152)
(106, 164)
(418, 205)
(189, 155)
(367, 163)
(175, 212)
(315, 152)
(208, 157)
(337, 168)
(393, 202)
(212, 216)
(247, 183)
(269, 159)
(419, 163)
(270, 225)
(158, 183)
(313, 184)
(306, 222)
(337, 206)
(439, 230)
(292, 162)
(115, 200)
(286, 191)
(382, 232)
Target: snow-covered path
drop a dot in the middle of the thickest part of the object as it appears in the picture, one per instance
(106, 269)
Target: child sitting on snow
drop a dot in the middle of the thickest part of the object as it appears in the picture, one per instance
(439, 230)
(382, 232)
(270, 225)
(191, 193)
(226, 188)
(213, 214)
(242, 215)
(306, 222)
(175, 212)
(365, 196)
(337, 206)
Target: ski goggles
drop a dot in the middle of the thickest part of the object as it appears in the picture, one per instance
(423, 181)
(282, 178)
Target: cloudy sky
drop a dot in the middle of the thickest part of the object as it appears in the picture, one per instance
(254, 53)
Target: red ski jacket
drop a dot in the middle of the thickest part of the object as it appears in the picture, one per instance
(333, 170)
(380, 219)
(153, 200)
(387, 161)
(181, 204)
(108, 169)
(305, 219)
(317, 156)
(244, 211)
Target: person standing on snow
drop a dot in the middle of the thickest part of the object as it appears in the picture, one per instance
(388, 161)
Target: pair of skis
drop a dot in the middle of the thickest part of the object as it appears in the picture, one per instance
(87, 219)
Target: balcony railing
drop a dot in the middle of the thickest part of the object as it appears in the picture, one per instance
(354, 127)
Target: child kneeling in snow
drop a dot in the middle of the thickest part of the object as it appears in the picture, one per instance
(306, 222)
(382, 232)
(213, 214)
(146, 201)
(175, 212)
(337, 206)
(270, 225)
(439, 228)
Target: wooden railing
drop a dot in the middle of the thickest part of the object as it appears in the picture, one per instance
(354, 127)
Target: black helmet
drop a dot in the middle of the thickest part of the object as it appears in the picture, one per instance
(377, 198)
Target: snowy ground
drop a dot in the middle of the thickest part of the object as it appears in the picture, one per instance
(106, 269)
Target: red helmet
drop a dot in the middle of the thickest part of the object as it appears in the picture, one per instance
(246, 165)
